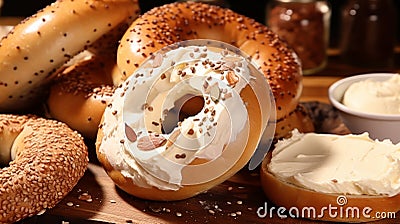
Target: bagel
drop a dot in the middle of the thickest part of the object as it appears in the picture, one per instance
(47, 160)
(150, 151)
(358, 203)
(180, 21)
(80, 93)
(40, 44)
(298, 119)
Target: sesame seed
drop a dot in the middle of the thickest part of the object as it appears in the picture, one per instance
(45, 161)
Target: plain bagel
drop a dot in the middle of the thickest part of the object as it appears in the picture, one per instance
(175, 22)
(47, 160)
(40, 44)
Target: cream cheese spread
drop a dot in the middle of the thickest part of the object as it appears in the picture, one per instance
(138, 142)
(382, 97)
(348, 164)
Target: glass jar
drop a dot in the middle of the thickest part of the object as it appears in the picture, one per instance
(304, 25)
(368, 33)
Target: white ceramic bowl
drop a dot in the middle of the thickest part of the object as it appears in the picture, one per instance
(379, 126)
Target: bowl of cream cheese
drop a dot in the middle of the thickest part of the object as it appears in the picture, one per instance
(369, 103)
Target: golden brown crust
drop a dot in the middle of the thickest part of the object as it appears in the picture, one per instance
(79, 95)
(175, 22)
(40, 44)
(287, 195)
(298, 119)
(50, 159)
(186, 191)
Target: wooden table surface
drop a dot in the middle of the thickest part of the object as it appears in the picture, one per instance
(96, 199)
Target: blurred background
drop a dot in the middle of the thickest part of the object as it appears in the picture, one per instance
(252, 8)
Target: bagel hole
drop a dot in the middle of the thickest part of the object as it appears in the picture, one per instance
(186, 106)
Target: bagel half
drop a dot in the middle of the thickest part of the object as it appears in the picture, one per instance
(304, 203)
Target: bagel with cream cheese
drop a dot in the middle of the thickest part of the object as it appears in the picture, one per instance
(316, 176)
(41, 160)
(189, 118)
(179, 21)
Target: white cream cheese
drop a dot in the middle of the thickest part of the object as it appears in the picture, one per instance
(348, 164)
(144, 103)
(382, 97)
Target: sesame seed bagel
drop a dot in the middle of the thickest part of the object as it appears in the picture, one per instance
(179, 21)
(298, 119)
(80, 93)
(47, 160)
(40, 44)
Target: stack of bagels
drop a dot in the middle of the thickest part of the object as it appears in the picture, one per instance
(43, 158)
